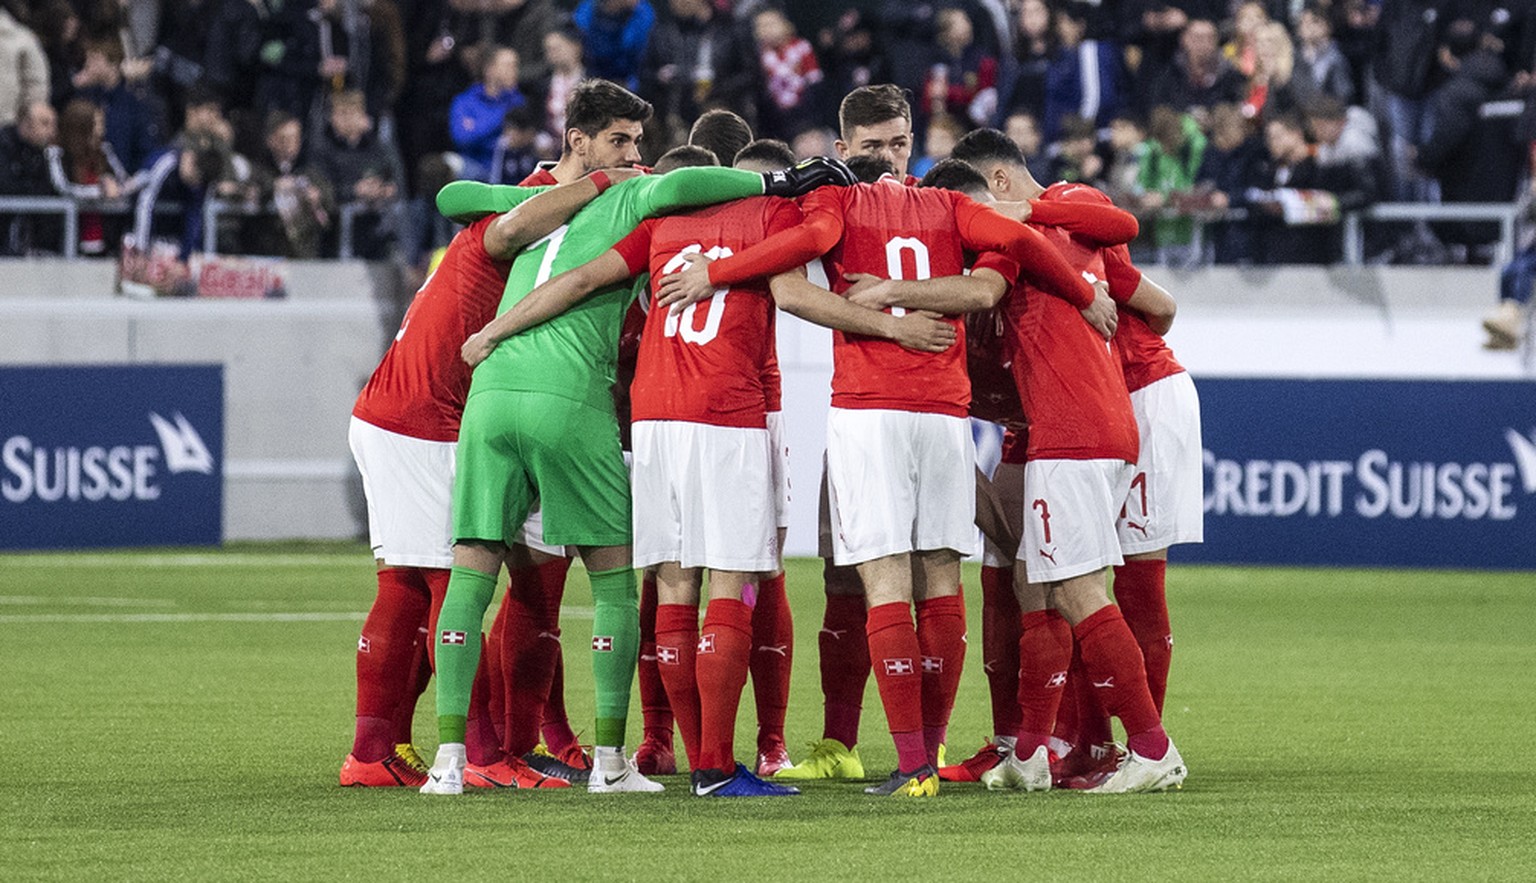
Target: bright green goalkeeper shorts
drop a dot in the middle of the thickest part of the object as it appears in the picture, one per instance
(521, 449)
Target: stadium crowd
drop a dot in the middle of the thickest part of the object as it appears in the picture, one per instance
(1265, 119)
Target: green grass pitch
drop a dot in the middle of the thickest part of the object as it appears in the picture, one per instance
(178, 715)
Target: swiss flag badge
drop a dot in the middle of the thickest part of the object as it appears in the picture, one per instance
(602, 643)
(666, 655)
(933, 665)
(707, 643)
(899, 666)
(452, 638)
(363, 644)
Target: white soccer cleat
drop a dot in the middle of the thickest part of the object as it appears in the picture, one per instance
(447, 773)
(612, 773)
(1138, 774)
(1030, 774)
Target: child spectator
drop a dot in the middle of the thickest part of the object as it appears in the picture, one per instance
(84, 166)
(362, 167)
(132, 126)
(305, 201)
(1232, 161)
(1173, 157)
(962, 83)
(1074, 156)
(943, 131)
(1022, 129)
(790, 73)
(516, 155)
(477, 114)
(1321, 69)
(1127, 146)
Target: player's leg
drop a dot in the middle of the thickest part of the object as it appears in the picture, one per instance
(1141, 593)
(1044, 653)
(677, 642)
(896, 657)
(941, 637)
(421, 678)
(656, 755)
(386, 663)
(773, 651)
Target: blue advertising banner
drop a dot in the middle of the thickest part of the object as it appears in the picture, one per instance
(1401, 473)
(111, 455)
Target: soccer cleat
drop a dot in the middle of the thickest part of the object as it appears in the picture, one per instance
(447, 773)
(412, 757)
(829, 759)
(715, 783)
(655, 758)
(1087, 768)
(391, 772)
(922, 782)
(1137, 774)
(1033, 774)
(970, 769)
(573, 764)
(513, 772)
(612, 773)
(772, 757)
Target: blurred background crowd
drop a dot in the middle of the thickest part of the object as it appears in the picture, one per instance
(1241, 131)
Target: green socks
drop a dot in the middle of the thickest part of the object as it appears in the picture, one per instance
(457, 643)
(615, 649)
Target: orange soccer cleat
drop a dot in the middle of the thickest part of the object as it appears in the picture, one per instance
(514, 772)
(393, 771)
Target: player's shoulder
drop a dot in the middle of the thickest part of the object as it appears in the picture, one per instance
(1072, 191)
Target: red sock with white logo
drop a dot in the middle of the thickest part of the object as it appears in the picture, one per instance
(1141, 593)
(844, 658)
(554, 727)
(1114, 667)
(941, 636)
(896, 659)
(1000, 647)
(529, 647)
(677, 641)
(386, 660)
(653, 693)
(1045, 653)
(773, 653)
(724, 651)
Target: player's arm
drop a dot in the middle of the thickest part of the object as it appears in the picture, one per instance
(991, 515)
(920, 331)
(537, 217)
(546, 302)
(949, 295)
(1097, 221)
(1128, 286)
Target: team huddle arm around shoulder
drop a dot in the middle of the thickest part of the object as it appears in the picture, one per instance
(982, 230)
(695, 186)
(467, 201)
(546, 302)
(820, 228)
(537, 217)
(1129, 287)
(1098, 221)
(798, 296)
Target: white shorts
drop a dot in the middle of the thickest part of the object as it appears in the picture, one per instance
(780, 467)
(532, 536)
(703, 496)
(1008, 485)
(1166, 502)
(1069, 517)
(408, 483)
(899, 481)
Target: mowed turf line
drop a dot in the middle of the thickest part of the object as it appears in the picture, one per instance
(1339, 724)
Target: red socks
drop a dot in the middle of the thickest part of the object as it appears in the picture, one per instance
(386, 659)
(1045, 653)
(941, 635)
(529, 648)
(1143, 600)
(844, 666)
(896, 659)
(677, 641)
(421, 667)
(725, 647)
(1000, 647)
(773, 651)
(653, 693)
(1113, 664)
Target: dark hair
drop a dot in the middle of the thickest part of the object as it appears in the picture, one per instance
(869, 169)
(768, 151)
(952, 174)
(987, 146)
(595, 104)
(1074, 127)
(199, 95)
(82, 154)
(521, 117)
(684, 156)
(872, 105)
(1325, 107)
(720, 131)
(276, 119)
(1462, 37)
(210, 157)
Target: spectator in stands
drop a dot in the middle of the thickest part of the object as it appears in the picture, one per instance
(183, 175)
(1293, 202)
(1083, 77)
(478, 113)
(205, 116)
(1506, 325)
(1155, 29)
(520, 24)
(1022, 129)
(133, 126)
(962, 79)
(1233, 161)
(436, 38)
(1270, 87)
(23, 66)
(361, 48)
(615, 33)
(814, 141)
(851, 56)
(24, 172)
(1243, 49)
(1321, 68)
(362, 167)
(517, 154)
(790, 74)
(1199, 76)
(1406, 67)
(83, 166)
(695, 60)
(1073, 156)
(939, 139)
(1174, 152)
(562, 57)
(1034, 45)
(303, 198)
(1343, 134)
(1126, 148)
(57, 26)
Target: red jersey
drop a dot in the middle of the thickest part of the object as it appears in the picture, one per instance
(541, 177)
(706, 364)
(1069, 381)
(1144, 356)
(419, 388)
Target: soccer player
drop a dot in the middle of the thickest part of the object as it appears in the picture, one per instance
(539, 424)
(1080, 461)
(402, 434)
(899, 450)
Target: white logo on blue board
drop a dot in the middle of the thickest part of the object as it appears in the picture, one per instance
(1524, 450)
(183, 447)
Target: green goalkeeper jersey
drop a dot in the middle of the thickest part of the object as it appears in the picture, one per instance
(573, 355)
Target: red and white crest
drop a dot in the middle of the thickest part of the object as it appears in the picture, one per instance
(363, 644)
(451, 637)
(933, 665)
(1059, 679)
(899, 667)
(602, 643)
(666, 655)
(707, 643)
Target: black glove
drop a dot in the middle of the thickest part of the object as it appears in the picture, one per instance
(806, 175)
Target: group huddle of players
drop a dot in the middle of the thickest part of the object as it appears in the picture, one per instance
(494, 434)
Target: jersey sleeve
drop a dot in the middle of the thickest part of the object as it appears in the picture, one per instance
(635, 248)
(820, 229)
(1078, 212)
(982, 230)
(690, 187)
(999, 263)
(472, 199)
(1120, 273)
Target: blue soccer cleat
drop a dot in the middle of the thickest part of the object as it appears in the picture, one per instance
(713, 783)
